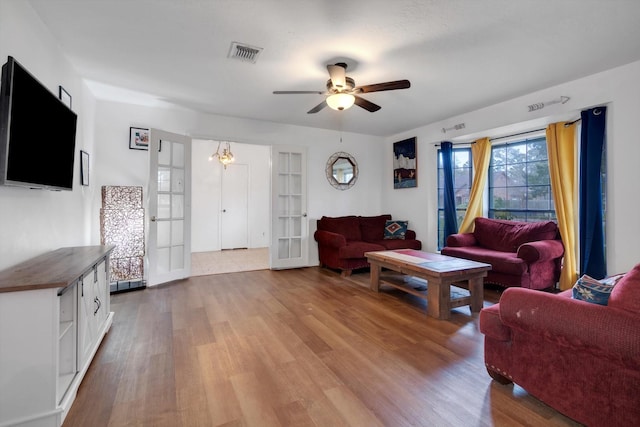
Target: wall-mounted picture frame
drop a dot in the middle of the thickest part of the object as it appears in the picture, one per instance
(405, 164)
(84, 168)
(64, 96)
(138, 138)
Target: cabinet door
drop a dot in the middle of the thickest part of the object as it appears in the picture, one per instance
(102, 293)
(87, 321)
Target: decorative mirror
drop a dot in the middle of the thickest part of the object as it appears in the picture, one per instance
(342, 170)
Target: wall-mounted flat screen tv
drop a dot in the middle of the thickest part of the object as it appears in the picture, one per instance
(37, 133)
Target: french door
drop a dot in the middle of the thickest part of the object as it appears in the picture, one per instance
(169, 252)
(289, 228)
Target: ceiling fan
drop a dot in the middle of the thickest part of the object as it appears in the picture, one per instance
(342, 91)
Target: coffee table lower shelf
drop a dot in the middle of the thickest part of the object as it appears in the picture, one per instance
(440, 273)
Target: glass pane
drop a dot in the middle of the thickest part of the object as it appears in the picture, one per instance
(177, 258)
(178, 155)
(283, 227)
(499, 156)
(498, 176)
(539, 198)
(537, 150)
(441, 198)
(296, 184)
(164, 153)
(283, 161)
(296, 205)
(516, 174)
(177, 180)
(462, 197)
(177, 233)
(538, 173)
(498, 198)
(283, 205)
(163, 260)
(177, 206)
(461, 158)
(283, 248)
(517, 198)
(296, 226)
(516, 153)
(296, 248)
(296, 163)
(164, 179)
(164, 233)
(164, 206)
(283, 184)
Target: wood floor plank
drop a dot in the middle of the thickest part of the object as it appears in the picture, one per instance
(302, 347)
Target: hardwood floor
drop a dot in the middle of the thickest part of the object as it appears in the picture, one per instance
(300, 347)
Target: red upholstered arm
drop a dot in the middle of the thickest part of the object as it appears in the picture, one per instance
(410, 235)
(327, 238)
(579, 325)
(541, 250)
(461, 239)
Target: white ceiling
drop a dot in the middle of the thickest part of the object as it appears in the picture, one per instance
(459, 55)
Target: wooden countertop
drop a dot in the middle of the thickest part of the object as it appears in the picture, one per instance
(56, 269)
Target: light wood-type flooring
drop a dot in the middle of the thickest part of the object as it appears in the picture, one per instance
(300, 347)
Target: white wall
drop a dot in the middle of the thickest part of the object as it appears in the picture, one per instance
(618, 88)
(36, 221)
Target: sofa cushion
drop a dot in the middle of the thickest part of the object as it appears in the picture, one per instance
(501, 262)
(391, 244)
(626, 294)
(354, 249)
(372, 227)
(348, 226)
(507, 236)
(595, 291)
(394, 229)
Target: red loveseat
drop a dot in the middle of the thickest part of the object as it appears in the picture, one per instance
(582, 359)
(524, 254)
(342, 241)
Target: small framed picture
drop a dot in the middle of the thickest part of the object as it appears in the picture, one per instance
(405, 164)
(138, 138)
(64, 96)
(84, 168)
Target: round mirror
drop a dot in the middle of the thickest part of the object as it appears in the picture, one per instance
(342, 170)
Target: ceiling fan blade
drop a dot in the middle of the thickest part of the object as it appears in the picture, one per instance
(317, 107)
(367, 105)
(291, 92)
(379, 87)
(338, 75)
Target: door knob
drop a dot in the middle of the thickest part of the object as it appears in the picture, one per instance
(153, 219)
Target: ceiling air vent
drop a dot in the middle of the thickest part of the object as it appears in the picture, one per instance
(244, 52)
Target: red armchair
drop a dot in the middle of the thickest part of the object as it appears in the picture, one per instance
(580, 358)
(525, 254)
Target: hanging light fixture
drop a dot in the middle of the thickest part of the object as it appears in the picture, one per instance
(340, 101)
(226, 157)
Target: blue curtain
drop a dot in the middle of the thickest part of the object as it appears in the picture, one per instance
(592, 139)
(450, 220)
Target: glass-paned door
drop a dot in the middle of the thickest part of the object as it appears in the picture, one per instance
(169, 207)
(289, 229)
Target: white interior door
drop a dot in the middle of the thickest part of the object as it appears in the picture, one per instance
(234, 215)
(289, 228)
(169, 254)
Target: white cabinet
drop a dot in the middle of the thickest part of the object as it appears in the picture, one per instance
(54, 312)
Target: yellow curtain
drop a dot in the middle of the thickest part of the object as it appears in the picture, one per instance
(481, 153)
(561, 149)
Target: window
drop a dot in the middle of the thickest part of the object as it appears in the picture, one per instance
(519, 185)
(462, 179)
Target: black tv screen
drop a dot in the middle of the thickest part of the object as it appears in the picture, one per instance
(37, 133)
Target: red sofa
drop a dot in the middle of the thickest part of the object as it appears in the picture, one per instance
(342, 241)
(580, 358)
(524, 254)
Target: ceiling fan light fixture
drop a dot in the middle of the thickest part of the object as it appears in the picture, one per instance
(340, 101)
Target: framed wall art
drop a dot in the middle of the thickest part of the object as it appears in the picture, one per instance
(138, 138)
(405, 164)
(84, 168)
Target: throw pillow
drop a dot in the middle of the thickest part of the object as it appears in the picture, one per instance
(596, 291)
(395, 229)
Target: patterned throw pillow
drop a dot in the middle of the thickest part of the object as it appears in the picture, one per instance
(596, 291)
(395, 229)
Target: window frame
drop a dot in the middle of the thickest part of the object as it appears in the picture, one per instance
(461, 211)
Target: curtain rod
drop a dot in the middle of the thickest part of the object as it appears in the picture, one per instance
(499, 137)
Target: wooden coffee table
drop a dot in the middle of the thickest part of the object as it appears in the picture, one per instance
(440, 272)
